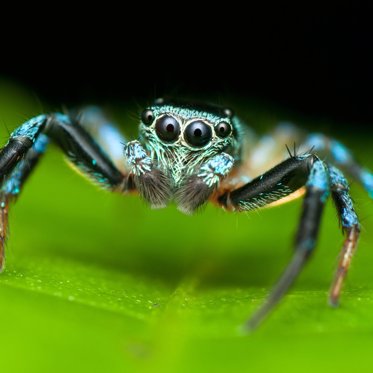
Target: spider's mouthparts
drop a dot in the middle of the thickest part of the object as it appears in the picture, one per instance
(155, 187)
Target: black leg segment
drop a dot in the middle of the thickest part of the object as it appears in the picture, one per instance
(12, 184)
(282, 180)
(275, 184)
(28, 142)
(83, 151)
(317, 191)
(21, 140)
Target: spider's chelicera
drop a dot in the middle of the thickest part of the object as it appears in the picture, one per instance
(191, 154)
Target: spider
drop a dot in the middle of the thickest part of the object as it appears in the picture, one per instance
(191, 154)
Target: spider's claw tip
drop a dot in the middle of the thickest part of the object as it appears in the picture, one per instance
(246, 329)
(250, 326)
(333, 302)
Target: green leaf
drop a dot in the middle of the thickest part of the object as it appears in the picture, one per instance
(99, 282)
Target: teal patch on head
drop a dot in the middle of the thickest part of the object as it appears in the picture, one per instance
(187, 113)
(186, 152)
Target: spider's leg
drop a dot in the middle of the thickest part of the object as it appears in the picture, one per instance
(84, 152)
(22, 152)
(80, 148)
(282, 180)
(350, 225)
(12, 184)
(105, 132)
(197, 188)
(339, 155)
(20, 141)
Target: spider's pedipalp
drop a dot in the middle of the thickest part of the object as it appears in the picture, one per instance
(152, 183)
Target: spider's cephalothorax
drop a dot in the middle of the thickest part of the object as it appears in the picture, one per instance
(190, 154)
(183, 152)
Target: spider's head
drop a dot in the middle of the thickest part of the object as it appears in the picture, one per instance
(181, 137)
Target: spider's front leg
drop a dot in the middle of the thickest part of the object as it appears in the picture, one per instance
(12, 183)
(28, 142)
(277, 183)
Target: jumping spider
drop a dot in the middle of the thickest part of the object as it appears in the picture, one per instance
(191, 154)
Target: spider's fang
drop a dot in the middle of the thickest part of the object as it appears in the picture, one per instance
(154, 187)
(196, 189)
(192, 194)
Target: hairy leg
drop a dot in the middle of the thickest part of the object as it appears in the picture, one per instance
(339, 155)
(277, 183)
(106, 134)
(11, 187)
(350, 226)
(28, 142)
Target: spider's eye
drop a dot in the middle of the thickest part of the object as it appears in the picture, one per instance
(223, 129)
(167, 128)
(228, 112)
(147, 117)
(159, 101)
(197, 134)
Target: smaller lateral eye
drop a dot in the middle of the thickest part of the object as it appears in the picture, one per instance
(223, 129)
(228, 112)
(147, 117)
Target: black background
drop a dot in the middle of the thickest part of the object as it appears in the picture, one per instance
(316, 65)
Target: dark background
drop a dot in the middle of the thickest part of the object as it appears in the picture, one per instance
(319, 66)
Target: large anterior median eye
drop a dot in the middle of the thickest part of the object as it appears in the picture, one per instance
(167, 128)
(197, 134)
